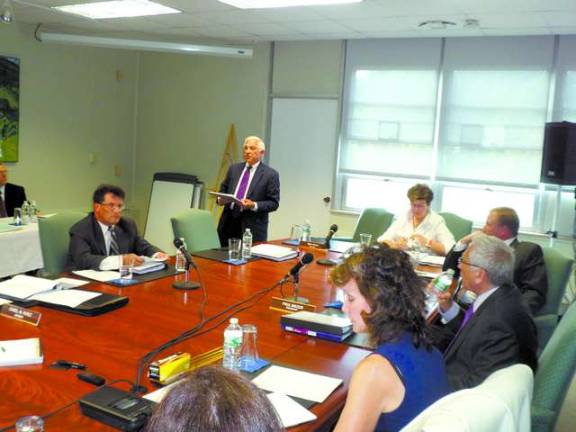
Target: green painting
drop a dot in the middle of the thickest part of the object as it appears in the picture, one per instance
(9, 108)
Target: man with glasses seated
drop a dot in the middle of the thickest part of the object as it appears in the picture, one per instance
(529, 267)
(497, 330)
(99, 240)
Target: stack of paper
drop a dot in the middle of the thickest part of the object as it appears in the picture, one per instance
(23, 287)
(20, 352)
(100, 276)
(273, 252)
(148, 266)
(432, 260)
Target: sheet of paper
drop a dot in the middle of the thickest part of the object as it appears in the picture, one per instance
(303, 385)
(65, 283)
(291, 413)
(23, 286)
(68, 297)
(224, 197)
(158, 395)
(4, 301)
(433, 260)
(101, 276)
(20, 352)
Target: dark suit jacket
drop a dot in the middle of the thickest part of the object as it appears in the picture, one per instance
(500, 333)
(14, 197)
(529, 272)
(264, 190)
(87, 247)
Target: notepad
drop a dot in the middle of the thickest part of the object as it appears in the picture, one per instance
(433, 260)
(291, 413)
(100, 276)
(20, 352)
(273, 252)
(23, 287)
(71, 297)
(300, 384)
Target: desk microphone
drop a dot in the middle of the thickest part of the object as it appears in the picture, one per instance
(185, 284)
(306, 259)
(333, 230)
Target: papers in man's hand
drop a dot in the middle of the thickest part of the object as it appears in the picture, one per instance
(303, 385)
(20, 352)
(23, 287)
(100, 276)
(148, 266)
(273, 252)
(224, 197)
(291, 413)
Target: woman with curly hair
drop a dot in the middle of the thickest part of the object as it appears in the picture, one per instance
(405, 374)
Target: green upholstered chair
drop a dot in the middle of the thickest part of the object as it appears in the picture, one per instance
(459, 227)
(545, 325)
(54, 239)
(372, 221)
(556, 367)
(558, 270)
(197, 228)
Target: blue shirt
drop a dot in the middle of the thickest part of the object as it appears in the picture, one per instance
(423, 374)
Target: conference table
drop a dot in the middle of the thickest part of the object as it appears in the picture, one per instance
(112, 344)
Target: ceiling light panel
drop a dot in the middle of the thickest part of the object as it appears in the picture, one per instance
(261, 4)
(117, 9)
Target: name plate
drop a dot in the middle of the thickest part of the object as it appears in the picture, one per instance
(285, 305)
(21, 314)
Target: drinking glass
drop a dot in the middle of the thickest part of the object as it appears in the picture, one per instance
(296, 233)
(365, 239)
(249, 352)
(234, 246)
(125, 267)
(17, 216)
(30, 424)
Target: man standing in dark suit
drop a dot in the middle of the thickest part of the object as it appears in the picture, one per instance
(257, 186)
(11, 196)
(529, 269)
(497, 330)
(102, 238)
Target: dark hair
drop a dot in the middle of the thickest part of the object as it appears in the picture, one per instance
(420, 192)
(509, 218)
(103, 189)
(386, 279)
(215, 399)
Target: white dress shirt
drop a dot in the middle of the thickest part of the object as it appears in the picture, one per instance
(252, 172)
(452, 313)
(433, 227)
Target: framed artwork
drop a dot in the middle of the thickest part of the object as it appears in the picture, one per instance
(9, 108)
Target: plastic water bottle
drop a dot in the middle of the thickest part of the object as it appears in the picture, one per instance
(443, 281)
(33, 212)
(306, 231)
(232, 345)
(180, 262)
(25, 213)
(247, 244)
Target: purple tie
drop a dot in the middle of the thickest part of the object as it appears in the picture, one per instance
(467, 316)
(244, 183)
(3, 212)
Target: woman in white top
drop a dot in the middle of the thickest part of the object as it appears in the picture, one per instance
(419, 225)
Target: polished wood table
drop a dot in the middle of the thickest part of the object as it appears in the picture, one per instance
(112, 344)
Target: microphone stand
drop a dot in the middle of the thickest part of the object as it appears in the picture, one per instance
(186, 284)
(296, 291)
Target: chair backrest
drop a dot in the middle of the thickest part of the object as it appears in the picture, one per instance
(458, 226)
(556, 367)
(500, 404)
(55, 238)
(558, 270)
(197, 228)
(372, 221)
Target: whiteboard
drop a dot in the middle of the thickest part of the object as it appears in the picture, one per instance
(169, 197)
(303, 141)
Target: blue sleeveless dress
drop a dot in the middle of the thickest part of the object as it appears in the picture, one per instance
(424, 377)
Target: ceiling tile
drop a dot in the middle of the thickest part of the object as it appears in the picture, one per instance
(316, 27)
(560, 19)
(511, 20)
(376, 25)
(269, 29)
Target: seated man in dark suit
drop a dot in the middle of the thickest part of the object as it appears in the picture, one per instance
(257, 186)
(497, 330)
(11, 196)
(104, 237)
(529, 268)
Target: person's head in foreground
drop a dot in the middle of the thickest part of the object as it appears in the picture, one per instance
(215, 399)
(383, 294)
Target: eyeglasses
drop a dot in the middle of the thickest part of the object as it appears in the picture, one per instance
(461, 261)
(113, 207)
